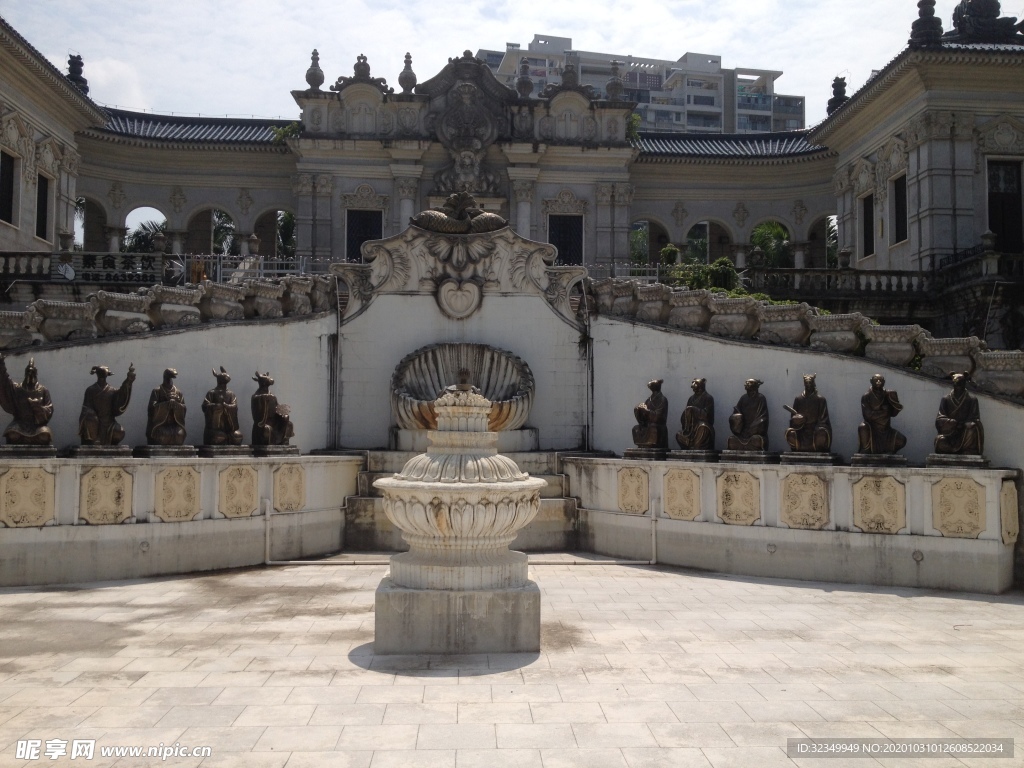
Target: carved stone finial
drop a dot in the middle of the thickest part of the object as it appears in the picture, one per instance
(315, 75)
(926, 31)
(524, 85)
(75, 68)
(614, 88)
(570, 77)
(978, 21)
(839, 96)
(361, 74)
(407, 78)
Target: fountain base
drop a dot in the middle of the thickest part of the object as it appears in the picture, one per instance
(438, 621)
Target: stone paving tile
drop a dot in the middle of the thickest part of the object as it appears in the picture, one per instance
(504, 758)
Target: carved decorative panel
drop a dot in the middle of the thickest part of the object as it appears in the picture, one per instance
(1009, 520)
(804, 502)
(26, 498)
(177, 495)
(106, 496)
(289, 488)
(682, 494)
(237, 491)
(958, 507)
(565, 202)
(739, 498)
(634, 495)
(879, 505)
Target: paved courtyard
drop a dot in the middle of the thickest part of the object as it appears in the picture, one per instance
(640, 667)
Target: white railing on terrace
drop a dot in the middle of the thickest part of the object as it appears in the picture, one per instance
(234, 269)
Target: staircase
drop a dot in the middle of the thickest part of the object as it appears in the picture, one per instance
(367, 528)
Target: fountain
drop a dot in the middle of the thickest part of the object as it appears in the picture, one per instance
(459, 589)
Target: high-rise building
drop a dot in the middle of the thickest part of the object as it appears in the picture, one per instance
(694, 94)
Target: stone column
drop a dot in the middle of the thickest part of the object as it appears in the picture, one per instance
(740, 255)
(799, 261)
(523, 191)
(407, 187)
(623, 219)
(604, 226)
(323, 195)
(302, 188)
(115, 236)
(243, 243)
(177, 238)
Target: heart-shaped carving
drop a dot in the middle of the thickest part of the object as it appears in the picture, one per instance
(459, 300)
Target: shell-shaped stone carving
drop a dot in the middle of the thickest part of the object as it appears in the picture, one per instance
(502, 378)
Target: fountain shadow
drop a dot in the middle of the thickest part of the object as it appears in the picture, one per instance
(440, 665)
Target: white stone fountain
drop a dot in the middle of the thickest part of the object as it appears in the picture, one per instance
(459, 589)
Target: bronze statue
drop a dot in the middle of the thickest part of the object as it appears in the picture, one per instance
(221, 410)
(166, 414)
(651, 415)
(29, 404)
(698, 420)
(959, 421)
(271, 421)
(98, 425)
(879, 406)
(810, 430)
(749, 420)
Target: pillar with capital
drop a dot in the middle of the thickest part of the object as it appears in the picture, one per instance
(522, 191)
(177, 238)
(115, 236)
(302, 188)
(799, 261)
(740, 255)
(408, 188)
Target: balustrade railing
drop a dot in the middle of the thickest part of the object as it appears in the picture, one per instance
(219, 268)
(24, 266)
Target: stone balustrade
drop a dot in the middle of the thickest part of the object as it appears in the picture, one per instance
(24, 266)
(107, 313)
(703, 311)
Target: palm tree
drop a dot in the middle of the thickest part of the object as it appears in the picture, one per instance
(773, 240)
(140, 239)
(285, 235)
(224, 240)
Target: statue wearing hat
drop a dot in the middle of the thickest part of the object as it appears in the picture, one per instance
(97, 424)
(166, 414)
(29, 404)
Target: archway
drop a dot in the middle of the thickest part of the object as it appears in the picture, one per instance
(90, 226)
(647, 238)
(211, 231)
(275, 231)
(146, 231)
(822, 244)
(773, 239)
(719, 242)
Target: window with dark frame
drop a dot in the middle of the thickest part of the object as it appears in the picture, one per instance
(565, 232)
(7, 187)
(42, 207)
(899, 210)
(361, 226)
(867, 223)
(1005, 206)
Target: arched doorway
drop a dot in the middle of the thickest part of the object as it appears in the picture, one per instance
(146, 231)
(823, 244)
(773, 239)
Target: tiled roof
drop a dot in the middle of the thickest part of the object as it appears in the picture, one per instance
(763, 145)
(139, 125)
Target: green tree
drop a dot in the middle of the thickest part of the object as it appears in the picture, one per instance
(140, 239)
(224, 240)
(639, 244)
(285, 235)
(832, 243)
(773, 239)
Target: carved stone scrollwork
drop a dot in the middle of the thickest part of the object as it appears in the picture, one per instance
(862, 177)
(302, 184)
(1003, 135)
(680, 214)
(879, 505)
(739, 498)
(523, 191)
(634, 497)
(177, 495)
(682, 494)
(741, 214)
(804, 501)
(116, 195)
(178, 199)
(365, 198)
(565, 203)
(798, 211)
(106, 496)
(237, 491)
(26, 498)
(958, 507)
(407, 189)
(289, 488)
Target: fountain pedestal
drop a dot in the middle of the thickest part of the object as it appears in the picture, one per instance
(459, 589)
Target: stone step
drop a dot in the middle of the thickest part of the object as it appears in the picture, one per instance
(367, 528)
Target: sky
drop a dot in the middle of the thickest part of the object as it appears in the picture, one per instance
(244, 57)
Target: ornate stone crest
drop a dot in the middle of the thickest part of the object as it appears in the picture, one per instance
(798, 211)
(804, 501)
(879, 505)
(237, 491)
(958, 507)
(26, 498)
(244, 201)
(1003, 135)
(106, 496)
(365, 198)
(741, 214)
(177, 495)
(680, 214)
(178, 199)
(116, 195)
(289, 488)
(739, 498)
(634, 497)
(682, 494)
(565, 202)
(1008, 512)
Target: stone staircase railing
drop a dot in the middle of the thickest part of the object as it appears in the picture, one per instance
(800, 325)
(107, 313)
(24, 266)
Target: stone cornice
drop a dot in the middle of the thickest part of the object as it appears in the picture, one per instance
(905, 62)
(736, 161)
(90, 112)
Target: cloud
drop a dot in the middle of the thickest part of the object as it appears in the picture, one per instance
(243, 57)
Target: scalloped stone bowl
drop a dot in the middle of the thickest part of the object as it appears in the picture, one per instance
(503, 378)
